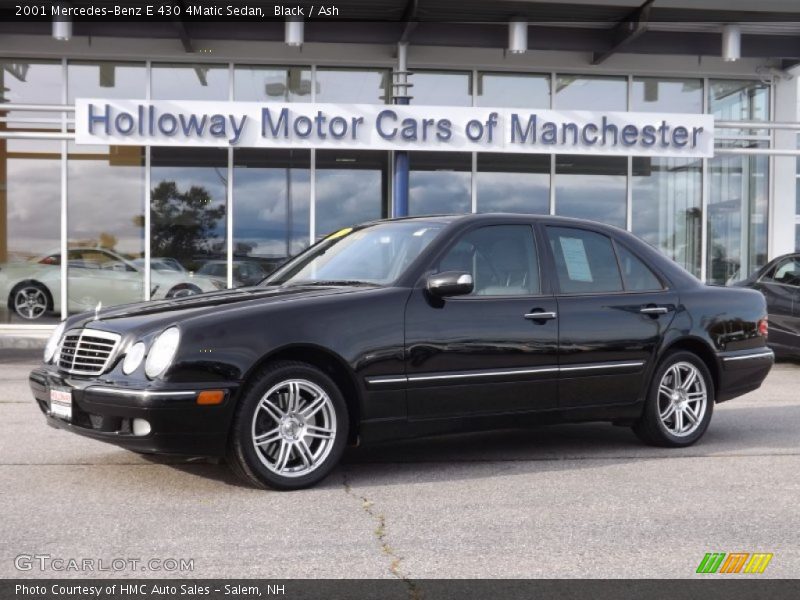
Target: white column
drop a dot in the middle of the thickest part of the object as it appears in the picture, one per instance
(784, 169)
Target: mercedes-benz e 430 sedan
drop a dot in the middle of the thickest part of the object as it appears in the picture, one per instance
(406, 328)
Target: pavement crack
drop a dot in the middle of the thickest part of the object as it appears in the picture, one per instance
(381, 536)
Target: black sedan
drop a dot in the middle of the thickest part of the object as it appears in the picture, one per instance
(405, 328)
(779, 281)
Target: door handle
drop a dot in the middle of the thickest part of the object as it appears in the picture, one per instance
(654, 310)
(540, 316)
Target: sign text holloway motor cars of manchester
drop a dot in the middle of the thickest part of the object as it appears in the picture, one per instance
(381, 127)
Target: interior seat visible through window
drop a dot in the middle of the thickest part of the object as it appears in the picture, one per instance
(501, 259)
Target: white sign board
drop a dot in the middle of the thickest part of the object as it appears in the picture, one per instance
(391, 127)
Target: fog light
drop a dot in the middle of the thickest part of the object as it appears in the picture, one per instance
(209, 397)
(141, 427)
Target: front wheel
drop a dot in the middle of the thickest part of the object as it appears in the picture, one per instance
(30, 301)
(290, 427)
(679, 404)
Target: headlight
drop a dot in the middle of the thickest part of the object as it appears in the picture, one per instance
(162, 352)
(52, 343)
(133, 358)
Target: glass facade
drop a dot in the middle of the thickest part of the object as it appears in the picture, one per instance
(578, 92)
(592, 187)
(351, 187)
(218, 217)
(514, 183)
(667, 207)
(357, 86)
(271, 211)
(188, 193)
(439, 183)
(30, 194)
(513, 90)
(654, 94)
(797, 202)
(739, 184)
(272, 84)
(105, 198)
(442, 88)
(30, 233)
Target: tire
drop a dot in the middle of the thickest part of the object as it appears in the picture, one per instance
(183, 289)
(30, 300)
(675, 417)
(290, 428)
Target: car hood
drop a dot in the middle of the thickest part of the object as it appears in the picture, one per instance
(150, 316)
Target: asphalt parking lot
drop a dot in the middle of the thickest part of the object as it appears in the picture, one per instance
(566, 501)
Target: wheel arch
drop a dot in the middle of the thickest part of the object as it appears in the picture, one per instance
(331, 364)
(699, 348)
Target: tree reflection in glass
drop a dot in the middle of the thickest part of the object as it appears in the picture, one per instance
(183, 225)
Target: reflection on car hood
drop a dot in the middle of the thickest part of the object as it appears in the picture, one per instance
(150, 314)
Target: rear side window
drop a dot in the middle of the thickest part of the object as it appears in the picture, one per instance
(585, 261)
(637, 275)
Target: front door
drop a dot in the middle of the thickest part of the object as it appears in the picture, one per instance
(612, 312)
(486, 352)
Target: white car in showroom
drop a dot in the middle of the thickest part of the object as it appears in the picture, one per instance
(32, 288)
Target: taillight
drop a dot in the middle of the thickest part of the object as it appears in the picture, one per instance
(763, 327)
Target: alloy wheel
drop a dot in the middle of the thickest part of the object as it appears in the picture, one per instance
(294, 428)
(30, 302)
(682, 399)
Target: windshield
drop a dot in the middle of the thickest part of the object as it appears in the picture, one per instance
(375, 255)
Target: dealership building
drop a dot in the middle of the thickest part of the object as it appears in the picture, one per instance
(143, 160)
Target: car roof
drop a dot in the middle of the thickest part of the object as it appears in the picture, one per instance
(493, 217)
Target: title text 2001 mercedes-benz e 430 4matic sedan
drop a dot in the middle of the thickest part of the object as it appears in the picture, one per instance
(406, 328)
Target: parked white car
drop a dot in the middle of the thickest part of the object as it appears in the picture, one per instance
(33, 288)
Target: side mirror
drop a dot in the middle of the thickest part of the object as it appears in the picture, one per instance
(450, 283)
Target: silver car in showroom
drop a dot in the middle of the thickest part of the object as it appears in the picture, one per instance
(33, 288)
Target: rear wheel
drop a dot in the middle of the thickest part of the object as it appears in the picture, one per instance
(679, 404)
(290, 427)
(30, 300)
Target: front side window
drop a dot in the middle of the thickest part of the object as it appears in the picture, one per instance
(378, 254)
(585, 261)
(501, 259)
(786, 272)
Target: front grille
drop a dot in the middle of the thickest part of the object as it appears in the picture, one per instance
(87, 351)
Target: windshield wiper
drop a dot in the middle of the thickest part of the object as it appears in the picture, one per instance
(330, 282)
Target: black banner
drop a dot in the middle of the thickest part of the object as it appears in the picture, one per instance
(389, 11)
(401, 589)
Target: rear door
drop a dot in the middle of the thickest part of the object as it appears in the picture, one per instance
(612, 312)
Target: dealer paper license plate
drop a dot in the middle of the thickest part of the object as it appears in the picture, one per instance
(61, 403)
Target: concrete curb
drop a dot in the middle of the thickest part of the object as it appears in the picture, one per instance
(24, 339)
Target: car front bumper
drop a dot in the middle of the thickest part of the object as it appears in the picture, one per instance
(177, 424)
